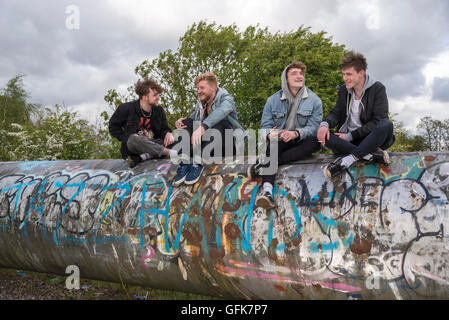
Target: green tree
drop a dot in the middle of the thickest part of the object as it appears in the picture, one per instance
(248, 64)
(406, 142)
(434, 133)
(14, 107)
(57, 135)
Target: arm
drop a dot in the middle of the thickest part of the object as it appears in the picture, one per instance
(164, 124)
(338, 112)
(313, 122)
(267, 121)
(117, 122)
(225, 107)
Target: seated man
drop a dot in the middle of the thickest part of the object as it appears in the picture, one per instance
(361, 114)
(141, 125)
(293, 115)
(215, 108)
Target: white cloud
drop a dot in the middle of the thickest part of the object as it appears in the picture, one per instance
(405, 42)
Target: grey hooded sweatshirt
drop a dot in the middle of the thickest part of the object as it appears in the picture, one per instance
(292, 101)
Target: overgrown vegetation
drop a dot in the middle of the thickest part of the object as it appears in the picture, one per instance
(17, 284)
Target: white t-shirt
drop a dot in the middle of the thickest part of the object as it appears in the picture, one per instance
(354, 115)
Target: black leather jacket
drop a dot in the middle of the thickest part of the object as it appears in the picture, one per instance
(125, 121)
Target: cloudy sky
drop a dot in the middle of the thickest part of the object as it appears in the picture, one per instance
(74, 61)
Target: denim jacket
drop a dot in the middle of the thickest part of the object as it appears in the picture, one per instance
(308, 116)
(223, 107)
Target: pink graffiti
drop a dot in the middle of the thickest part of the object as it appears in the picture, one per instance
(335, 286)
(147, 258)
(163, 168)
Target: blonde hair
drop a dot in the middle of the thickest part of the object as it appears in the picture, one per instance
(209, 77)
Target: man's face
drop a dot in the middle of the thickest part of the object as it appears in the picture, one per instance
(152, 98)
(353, 78)
(295, 78)
(206, 91)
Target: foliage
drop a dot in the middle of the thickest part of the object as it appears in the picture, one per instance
(107, 146)
(435, 133)
(406, 142)
(14, 107)
(248, 64)
(57, 135)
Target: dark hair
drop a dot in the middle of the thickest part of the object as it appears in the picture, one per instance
(354, 59)
(209, 77)
(296, 65)
(143, 87)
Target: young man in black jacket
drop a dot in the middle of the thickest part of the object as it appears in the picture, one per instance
(361, 115)
(141, 125)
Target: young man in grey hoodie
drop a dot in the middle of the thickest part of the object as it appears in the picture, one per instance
(361, 115)
(292, 115)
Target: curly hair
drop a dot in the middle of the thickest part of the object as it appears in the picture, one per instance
(143, 87)
(355, 60)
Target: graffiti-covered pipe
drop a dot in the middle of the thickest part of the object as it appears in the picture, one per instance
(376, 232)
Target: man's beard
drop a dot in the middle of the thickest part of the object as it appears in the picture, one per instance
(205, 98)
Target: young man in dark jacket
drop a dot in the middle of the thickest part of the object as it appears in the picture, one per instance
(361, 115)
(141, 125)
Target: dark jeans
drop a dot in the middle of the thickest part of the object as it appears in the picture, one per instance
(381, 137)
(220, 126)
(291, 151)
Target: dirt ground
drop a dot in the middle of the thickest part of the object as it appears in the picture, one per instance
(25, 285)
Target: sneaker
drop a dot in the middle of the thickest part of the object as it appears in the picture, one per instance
(181, 174)
(381, 156)
(265, 200)
(133, 160)
(194, 174)
(333, 169)
(254, 170)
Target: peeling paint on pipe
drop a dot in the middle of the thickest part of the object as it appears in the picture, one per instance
(377, 232)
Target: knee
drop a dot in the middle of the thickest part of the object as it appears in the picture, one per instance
(188, 122)
(331, 141)
(132, 142)
(385, 124)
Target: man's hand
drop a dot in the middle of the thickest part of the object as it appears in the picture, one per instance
(287, 136)
(341, 135)
(323, 134)
(197, 134)
(179, 123)
(273, 134)
(169, 139)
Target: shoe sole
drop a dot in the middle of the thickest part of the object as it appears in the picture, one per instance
(264, 203)
(179, 182)
(327, 173)
(189, 182)
(248, 172)
(386, 157)
(130, 164)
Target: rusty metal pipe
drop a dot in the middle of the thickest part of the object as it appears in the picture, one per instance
(377, 232)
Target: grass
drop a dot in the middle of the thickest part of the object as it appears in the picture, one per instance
(16, 284)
